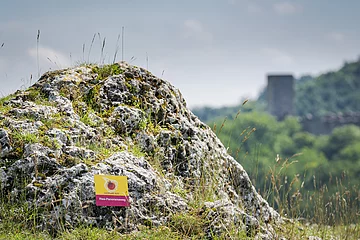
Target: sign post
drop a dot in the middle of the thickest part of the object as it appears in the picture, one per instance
(111, 190)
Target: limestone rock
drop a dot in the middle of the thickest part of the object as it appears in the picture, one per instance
(121, 120)
(5, 145)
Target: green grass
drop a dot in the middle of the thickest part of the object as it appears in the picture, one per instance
(299, 231)
(4, 108)
(103, 151)
(290, 231)
(19, 139)
(107, 70)
(136, 150)
(88, 233)
(88, 119)
(56, 120)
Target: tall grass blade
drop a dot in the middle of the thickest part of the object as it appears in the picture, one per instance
(99, 36)
(91, 44)
(102, 51)
(122, 43)
(83, 52)
(117, 48)
(37, 52)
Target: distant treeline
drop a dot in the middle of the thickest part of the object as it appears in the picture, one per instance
(332, 92)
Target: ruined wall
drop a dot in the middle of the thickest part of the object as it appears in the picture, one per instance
(324, 125)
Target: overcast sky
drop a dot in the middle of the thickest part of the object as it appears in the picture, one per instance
(217, 52)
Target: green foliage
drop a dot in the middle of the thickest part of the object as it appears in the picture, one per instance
(88, 119)
(35, 95)
(107, 70)
(56, 120)
(88, 233)
(5, 99)
(91, 98)
(136, 150)
(248, 134)
(153, 233)
(179, 191)
(297, 231)
(189, 224)
(18, 219)
(19, 139)
(340, 138)
(102, 150)
(51, 143)
(330, 92)
(303, 161)
(208, 113)
(4, 108)
(351, 153)
(147, 125)
(25, 137)
(304, 139)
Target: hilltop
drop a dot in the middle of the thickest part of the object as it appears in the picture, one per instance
(331, 92)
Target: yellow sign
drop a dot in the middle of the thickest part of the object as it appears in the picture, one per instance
(111, 190)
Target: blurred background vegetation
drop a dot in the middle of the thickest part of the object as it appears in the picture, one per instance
(286, 162)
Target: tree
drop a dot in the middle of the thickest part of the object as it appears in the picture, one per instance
(340, 138)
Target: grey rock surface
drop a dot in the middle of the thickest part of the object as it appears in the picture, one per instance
(121, 120)
(5, 145)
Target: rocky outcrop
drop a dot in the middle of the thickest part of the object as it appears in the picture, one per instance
(121, 120)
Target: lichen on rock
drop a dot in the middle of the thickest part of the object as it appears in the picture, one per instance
(119, 119)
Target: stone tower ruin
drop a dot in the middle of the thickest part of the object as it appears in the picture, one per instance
(280, 90)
